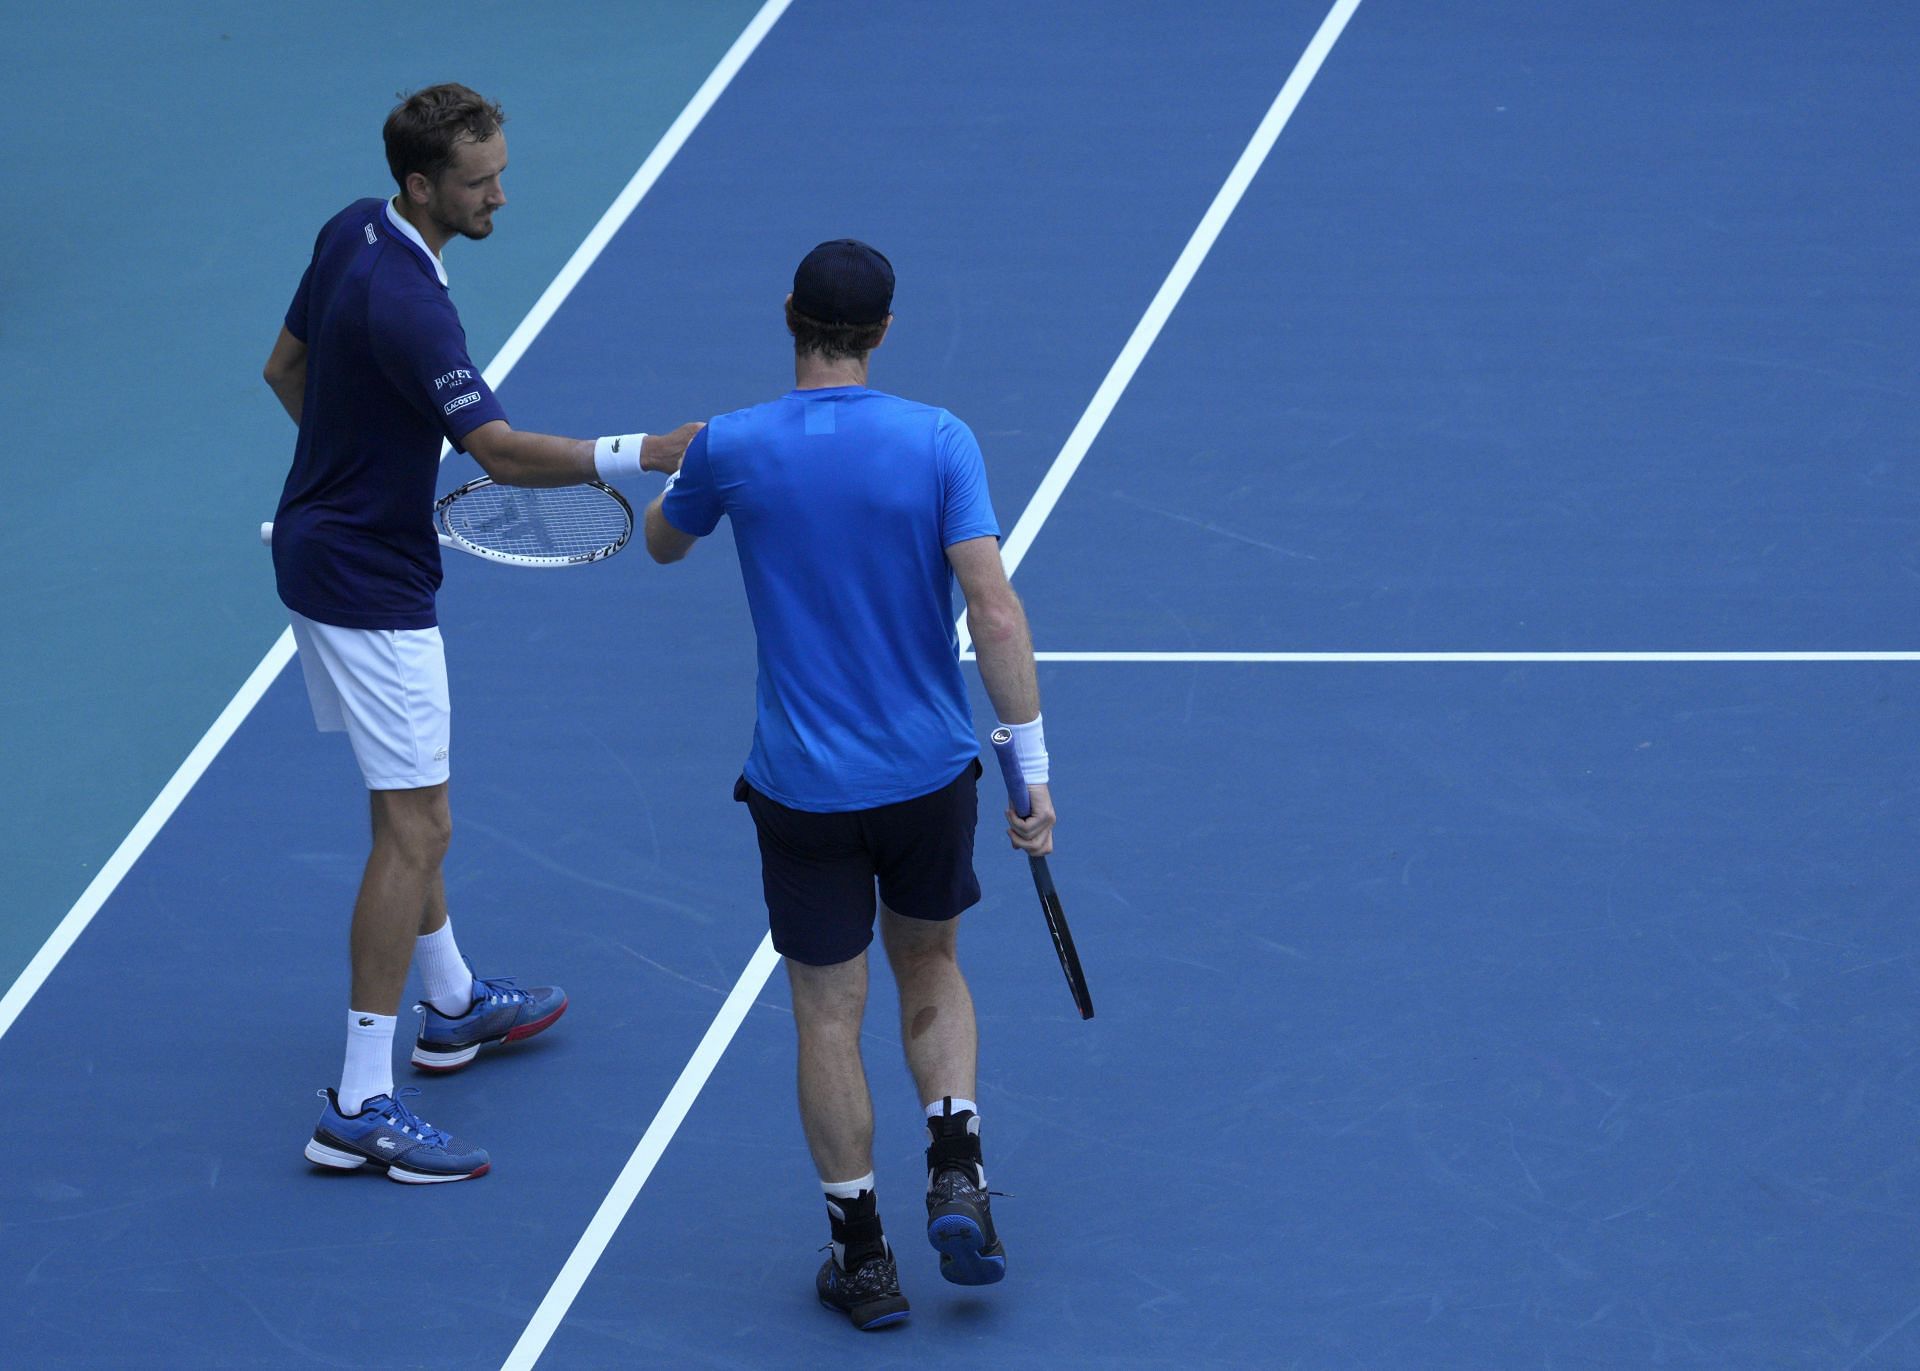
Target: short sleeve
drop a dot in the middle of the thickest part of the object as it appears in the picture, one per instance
(422, 350)
(966, 509)
(691, 501)
(296, 320)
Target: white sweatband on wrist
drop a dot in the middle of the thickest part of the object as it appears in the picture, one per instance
(618, 455)
(1030, 751)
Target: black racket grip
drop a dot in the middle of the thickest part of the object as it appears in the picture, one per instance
(1002, 740)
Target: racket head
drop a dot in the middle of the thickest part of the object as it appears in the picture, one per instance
(535, 527)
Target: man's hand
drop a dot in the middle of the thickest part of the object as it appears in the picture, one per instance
(1033, 835)
(663, 451)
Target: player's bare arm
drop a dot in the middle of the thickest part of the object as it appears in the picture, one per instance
(1003, 647)
(286, 372)
(517, 458)
(665, 543)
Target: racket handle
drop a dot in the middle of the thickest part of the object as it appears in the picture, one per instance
(1002, 739)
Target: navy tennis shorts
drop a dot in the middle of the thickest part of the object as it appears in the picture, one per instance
(819, 870)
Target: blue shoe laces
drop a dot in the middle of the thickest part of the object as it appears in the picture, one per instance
(403, 1119)
(486, 993)
(499, 990)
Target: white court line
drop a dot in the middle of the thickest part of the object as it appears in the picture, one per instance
(108, 878)
(626, 1189)
(1120, 375)
(184, 779)
(1476, 656)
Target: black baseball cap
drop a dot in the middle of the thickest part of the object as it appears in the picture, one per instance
(844, 282)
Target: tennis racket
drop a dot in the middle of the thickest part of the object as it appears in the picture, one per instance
(527, 526)
(1022, 803)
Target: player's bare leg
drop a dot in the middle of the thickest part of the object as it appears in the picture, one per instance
(942, 1045)
(835, 1107)
(936, 1010)
(401, 895)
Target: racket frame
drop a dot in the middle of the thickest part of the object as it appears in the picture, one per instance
(451, 537)
(1022, 802)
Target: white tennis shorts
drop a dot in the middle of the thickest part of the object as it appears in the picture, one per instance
(386, 688)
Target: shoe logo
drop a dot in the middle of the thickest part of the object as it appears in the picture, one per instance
(387, 1143)
(365, 1022)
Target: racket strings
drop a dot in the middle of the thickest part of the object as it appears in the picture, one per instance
(560, 523)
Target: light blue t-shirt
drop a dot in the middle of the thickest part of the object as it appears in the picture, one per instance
(843, 503)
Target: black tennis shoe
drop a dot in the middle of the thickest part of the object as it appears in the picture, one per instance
(869, 1294)
(959, 1216)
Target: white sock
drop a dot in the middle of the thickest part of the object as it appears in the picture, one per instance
(847, 1190)
(960, 1106)
(369, 1067)
(448, 983)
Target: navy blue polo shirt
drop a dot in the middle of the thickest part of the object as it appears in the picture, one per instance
(844, 502)
(388, 377)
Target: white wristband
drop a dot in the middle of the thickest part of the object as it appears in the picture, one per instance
(618, 455)
(1030, 751)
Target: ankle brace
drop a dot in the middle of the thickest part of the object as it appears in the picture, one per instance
(856, 1229)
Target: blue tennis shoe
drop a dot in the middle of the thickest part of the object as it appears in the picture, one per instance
(959, 1212)
(390, 1137)
(501, 1013)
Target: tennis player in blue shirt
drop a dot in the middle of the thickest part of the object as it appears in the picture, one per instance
(853, 511)
(372, 364)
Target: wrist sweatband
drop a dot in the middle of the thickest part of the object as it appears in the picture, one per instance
(617, 455)
(1030, 751)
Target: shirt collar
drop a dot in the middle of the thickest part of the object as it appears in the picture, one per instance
(408, 231)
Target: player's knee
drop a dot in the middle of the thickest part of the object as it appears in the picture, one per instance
(415, 825)
(917, 947)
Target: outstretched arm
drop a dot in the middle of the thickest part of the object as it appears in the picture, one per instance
(514, 458)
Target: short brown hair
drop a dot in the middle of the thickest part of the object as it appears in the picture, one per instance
(831, 341)
(423, 128)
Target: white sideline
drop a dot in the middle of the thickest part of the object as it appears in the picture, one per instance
(28, 983)
(607, 1219)
(1120, 375)
(108, 878)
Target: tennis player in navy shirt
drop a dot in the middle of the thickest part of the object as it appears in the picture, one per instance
(853, 512)
(372, 364)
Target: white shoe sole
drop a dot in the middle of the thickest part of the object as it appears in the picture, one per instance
(321, 1155)
(444, 1061)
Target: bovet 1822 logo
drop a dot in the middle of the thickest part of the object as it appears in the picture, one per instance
(472, 397)
(452, 378)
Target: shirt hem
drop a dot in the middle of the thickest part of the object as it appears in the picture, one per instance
(346, 618)
(838, 805)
